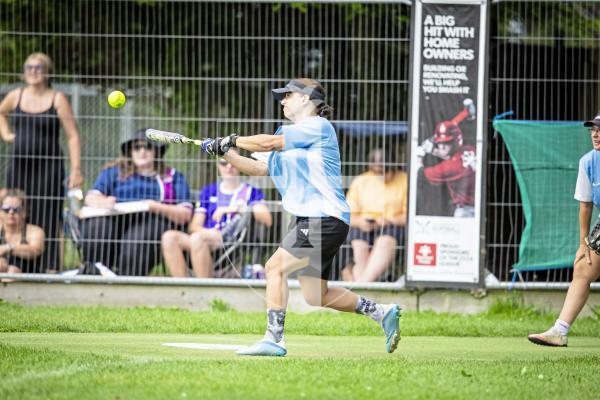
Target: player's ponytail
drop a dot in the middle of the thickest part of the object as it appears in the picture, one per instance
(324, 110)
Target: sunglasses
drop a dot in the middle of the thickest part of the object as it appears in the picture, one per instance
(34, 68)
(8, 209)
(145, 146)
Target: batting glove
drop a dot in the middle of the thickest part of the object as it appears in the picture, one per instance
(427, 146)
(227, 142)
(209, 146)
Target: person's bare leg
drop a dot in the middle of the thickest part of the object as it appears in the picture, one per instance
(14, 270)
(281, 264)
(277, 269)
(347, 272)
(11, 269)
(202, 244)
(381, 257)
(360, 253)
(579, 290)
(3, 265)
(173, 244)
(317, 294)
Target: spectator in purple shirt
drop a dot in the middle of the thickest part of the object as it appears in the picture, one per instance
(217, 206)
(130, 243)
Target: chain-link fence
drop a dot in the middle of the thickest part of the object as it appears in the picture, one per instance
(206, 68)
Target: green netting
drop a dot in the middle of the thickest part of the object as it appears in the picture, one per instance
(545, 157)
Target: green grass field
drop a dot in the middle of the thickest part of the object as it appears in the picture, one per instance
(110, 353)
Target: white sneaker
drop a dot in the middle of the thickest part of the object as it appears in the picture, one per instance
(552, 337)
(104, 270)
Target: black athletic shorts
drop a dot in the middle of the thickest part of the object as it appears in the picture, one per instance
(316, 238)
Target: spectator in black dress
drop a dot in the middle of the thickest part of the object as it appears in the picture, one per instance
(36, 165)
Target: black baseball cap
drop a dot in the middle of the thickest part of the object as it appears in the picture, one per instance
(297, 86)
(593, 122)
(140, 135)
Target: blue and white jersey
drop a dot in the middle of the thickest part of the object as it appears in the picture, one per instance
(588, 178)
(307, 172)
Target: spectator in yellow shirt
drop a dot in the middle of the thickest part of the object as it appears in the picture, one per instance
(378, 204)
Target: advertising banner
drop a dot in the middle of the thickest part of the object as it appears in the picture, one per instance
(447, 121)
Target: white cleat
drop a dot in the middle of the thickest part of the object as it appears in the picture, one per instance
(264, 348)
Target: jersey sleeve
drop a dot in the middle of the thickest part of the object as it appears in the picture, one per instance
(203, 201)
(583, 187)
(445, 171)
(300, 136)
(105, 182)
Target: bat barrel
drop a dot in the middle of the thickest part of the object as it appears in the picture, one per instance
(163, 136)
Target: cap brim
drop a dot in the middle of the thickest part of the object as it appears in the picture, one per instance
(593, 122)
(279, 94)
(160, 148)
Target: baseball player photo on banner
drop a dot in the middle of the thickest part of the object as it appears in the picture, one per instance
(446, 131)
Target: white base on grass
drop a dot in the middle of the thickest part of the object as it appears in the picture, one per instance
(206, 346)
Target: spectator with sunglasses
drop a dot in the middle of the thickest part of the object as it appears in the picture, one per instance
(36, 166)
(21, 244)
(130, 242)
(217, 207)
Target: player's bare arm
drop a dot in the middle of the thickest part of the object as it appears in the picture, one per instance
(585, 214)
(245, 164)
(65, 113)
(177, 213)
(6, 107)
(34, 246)
(99, 200)
(260, 142)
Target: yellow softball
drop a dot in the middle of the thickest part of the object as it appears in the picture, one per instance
(116, 99)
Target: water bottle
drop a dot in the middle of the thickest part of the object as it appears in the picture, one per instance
(258, 272)
(75, 197)
(247, 271)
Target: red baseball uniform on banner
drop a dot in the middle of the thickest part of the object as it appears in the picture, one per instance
(458, 172)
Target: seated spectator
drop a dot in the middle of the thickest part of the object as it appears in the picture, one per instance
(218, 204)
(378, 204)
(131, 242)
(21, 244)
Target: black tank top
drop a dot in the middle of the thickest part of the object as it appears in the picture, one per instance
(23, 235)
(36, 134)
(26, 265)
